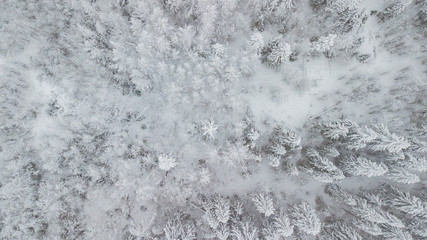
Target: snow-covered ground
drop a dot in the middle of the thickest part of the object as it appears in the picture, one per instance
(213, 119)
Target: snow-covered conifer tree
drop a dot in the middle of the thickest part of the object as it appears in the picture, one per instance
(322, 168)
(335, 130)
(245, 231)
(387, 141)
(338, 231)
(341, 195)
(376, 215)
(264, 204)
(396, 8)
(405, 202)
(209, 129)
(324, 44)
(280, 52)
(360, 166)
(418, 164)
(256, 42)
(166, 162)
(222, 209)
(402, 176)
(283, 225)
(369, 227)
(305, 219)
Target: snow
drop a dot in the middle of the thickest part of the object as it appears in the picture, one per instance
(114, 124)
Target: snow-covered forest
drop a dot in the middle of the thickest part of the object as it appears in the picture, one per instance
(213, 119)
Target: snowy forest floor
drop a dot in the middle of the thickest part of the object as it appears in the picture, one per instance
(157, 119)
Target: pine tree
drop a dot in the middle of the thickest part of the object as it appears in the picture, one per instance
(413, 163)
(369, 227)
(175, 230)
(209, 129)
(305, 219)
(404, 202)
(283, 140)
(338, 231)
(322, 168)
(273, 160)
(359, 137)
(222, 209)
(335, 130)
(223, 232)
(264, 204)
(166, 162)
(323, 45)
(251, 137)
(341, 195)
(342, 5)
(283, 225)
(387, 141)
(280, 53)
(376, 215)
(256, 42)
(394, 233)
(361, 166)
(402, 176)
(245, 231)
(396, 8)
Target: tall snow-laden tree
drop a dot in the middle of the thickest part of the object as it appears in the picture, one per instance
(341, 195)
(175, 230)
(222, 209)
(335, 130)
(360, 166)
(245, 231)
(166, 162)
(402, 176)
(414, 163)
(256, 42)
(387, 141)
(396, 8)
(338, 231)
(369, 227)
(342, 5)
(323, 44)
(283, 225)
(376, 215)
(280, 53)
(405, 202)
(390, 232)
(305, 219)
(264, 204)
(322, 168)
